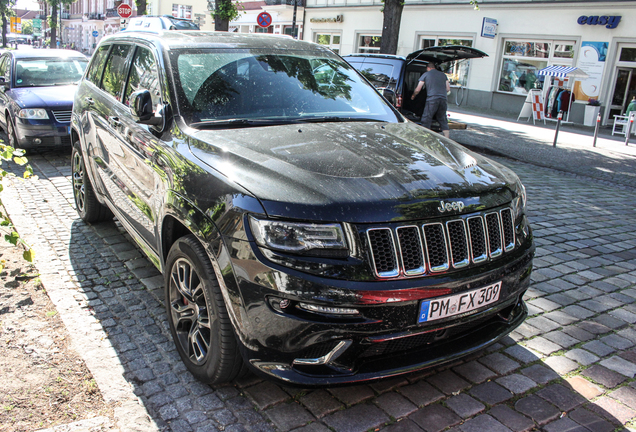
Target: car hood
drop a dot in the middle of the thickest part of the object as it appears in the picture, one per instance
(446, 53)
(44, 97)
(355, 172)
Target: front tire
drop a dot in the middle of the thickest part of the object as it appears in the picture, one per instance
(13, 138)
(199, 321)
(86, 203)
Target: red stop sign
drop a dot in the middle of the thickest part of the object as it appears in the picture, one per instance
(124, 10)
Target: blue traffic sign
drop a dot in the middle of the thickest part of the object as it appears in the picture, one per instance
(264, 19)
(95, 33)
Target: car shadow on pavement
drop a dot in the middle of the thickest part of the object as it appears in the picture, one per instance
(512, 385)
(570, 366)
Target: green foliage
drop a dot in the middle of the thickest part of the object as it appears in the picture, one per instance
(7, 154)
(27, 27)
(228, 10)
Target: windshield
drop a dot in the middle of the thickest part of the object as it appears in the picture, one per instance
(255, 86)
(49, 71)
(183, 24)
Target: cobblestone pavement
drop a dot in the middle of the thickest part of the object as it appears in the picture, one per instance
(570, 367)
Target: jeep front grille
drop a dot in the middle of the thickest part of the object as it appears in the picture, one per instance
(436, 247)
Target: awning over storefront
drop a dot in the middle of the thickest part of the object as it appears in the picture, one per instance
(563, 72)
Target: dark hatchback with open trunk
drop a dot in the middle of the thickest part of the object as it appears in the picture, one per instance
(304, 228)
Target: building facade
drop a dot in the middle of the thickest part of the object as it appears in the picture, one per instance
(520, 38)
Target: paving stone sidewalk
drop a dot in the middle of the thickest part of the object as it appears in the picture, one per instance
(569, 367)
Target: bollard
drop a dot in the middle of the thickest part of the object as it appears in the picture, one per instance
(630, 124)
(598, 122)
(556, 132)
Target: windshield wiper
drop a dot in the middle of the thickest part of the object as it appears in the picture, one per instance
(326, 119)
(239, 122)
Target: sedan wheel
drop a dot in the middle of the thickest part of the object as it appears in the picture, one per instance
(198, 318)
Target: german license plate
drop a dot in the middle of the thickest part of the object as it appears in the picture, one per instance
(431, 310)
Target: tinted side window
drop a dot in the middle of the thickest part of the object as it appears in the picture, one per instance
(4, 61)
(115, 71)
(144, 75)
(380, 75)
(94, 73)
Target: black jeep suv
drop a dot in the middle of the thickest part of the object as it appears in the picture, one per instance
(305, 229)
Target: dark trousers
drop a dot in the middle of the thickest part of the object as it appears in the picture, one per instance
(435, 109)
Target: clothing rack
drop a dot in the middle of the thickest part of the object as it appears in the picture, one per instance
(563, 76)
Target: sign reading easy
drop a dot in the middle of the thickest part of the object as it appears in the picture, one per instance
(609, 22)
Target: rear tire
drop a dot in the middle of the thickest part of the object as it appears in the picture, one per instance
(86, 203)
(199, 321)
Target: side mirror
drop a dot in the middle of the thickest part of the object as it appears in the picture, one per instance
(389, 95)
(3, 83)
(142, 110)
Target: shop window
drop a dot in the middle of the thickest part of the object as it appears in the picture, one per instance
(259, 29)
(522, 60)
(332, 40)
(181, 11)
(628, 54)
(288, 31)
(369, 44)
(457, 71)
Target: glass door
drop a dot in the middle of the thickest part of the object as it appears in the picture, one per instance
(624, 89)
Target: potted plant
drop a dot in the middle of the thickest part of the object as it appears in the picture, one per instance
(592, 110)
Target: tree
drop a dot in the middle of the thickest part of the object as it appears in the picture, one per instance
(6, 10)
(224, 12)
(53, 19)
(27, 27)
(141, 7)
(392, 11)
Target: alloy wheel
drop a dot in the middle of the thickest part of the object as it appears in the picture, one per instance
(189, 311)
(78, 181)
(11, 133)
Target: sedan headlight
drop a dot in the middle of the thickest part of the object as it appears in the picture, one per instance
(33, 114)
(298, 237)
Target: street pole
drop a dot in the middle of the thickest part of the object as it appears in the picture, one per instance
(294, 35)
(629, 125)
(598, 122)
(556, 133)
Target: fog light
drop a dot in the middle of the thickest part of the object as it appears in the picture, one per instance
(328, 309)
(37, 141)
(284, 304)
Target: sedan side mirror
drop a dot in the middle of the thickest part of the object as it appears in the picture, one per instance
(389, 95)
(3, 83)
(142, 109)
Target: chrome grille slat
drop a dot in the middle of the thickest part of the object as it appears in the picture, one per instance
(383, 252)
(62, 116)
(436, 249)
(507, 229)
(493, 226)
(477, 239)
(458, 243)
(410, 250)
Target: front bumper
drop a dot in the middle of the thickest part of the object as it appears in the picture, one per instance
(306, 349)
(34, 134)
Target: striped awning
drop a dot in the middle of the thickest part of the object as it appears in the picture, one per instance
(563, 72)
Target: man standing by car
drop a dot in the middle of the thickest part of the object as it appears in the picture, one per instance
(437, 87)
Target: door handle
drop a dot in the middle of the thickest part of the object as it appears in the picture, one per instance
(114, 121)
(89, 100)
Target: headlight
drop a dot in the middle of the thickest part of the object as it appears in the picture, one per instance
(519, 202)
(298, 237)
(33, 114)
